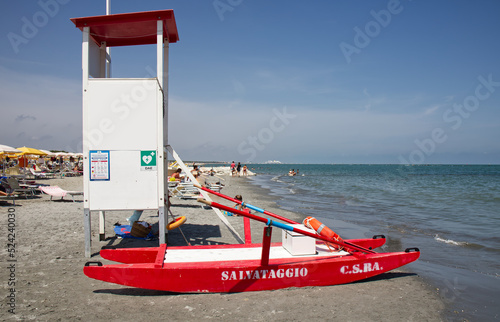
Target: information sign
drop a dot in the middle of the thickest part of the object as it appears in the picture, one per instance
(99, 165)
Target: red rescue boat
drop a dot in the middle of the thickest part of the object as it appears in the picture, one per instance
(304, 258)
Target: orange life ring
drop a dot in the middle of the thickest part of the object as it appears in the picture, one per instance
(176, 223)
(321, 229)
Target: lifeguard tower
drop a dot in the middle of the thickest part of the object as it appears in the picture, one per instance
(125, 119)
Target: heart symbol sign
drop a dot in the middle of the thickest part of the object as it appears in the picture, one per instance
(147, 159)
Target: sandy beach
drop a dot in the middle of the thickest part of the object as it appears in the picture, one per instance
(48, 282)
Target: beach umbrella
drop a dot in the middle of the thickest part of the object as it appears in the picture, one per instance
(5, 149)
(32, 151)
(29, 151)
(49, 154)
(64, 155)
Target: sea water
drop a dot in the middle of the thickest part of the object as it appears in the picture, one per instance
(450, 212)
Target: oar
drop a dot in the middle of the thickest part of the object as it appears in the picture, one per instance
(259, 210)
(269, 222)
(244, 204)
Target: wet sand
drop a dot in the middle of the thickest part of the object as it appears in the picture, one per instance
(50, 284)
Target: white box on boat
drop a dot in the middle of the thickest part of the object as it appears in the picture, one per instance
(298, 244)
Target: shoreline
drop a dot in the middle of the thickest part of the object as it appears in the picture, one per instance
(50, 282)
(352, 230)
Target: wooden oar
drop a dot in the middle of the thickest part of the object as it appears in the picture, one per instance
(244, 204)
(269, 222)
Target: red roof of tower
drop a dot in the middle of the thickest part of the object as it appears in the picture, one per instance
(129, 29)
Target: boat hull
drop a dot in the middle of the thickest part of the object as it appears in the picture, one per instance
(250, 275)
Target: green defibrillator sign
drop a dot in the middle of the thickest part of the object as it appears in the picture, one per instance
(148, 160)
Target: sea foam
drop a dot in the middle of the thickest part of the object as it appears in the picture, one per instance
(449, 241)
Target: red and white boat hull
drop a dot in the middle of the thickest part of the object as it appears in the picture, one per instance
(177, 272)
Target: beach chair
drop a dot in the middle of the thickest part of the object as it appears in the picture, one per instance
(38, 175)
(12, 196)
(183, 190)
(68, 172)
(56, 191)
(217, 187)
(16, 187)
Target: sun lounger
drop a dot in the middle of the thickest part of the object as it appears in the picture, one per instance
(183, 190)
(16, 187)
(55, 191)
(37, 175)
(217, 187)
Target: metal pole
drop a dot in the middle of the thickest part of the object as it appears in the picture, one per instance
(108, 50)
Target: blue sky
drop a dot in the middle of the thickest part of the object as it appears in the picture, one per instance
(295, 81)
